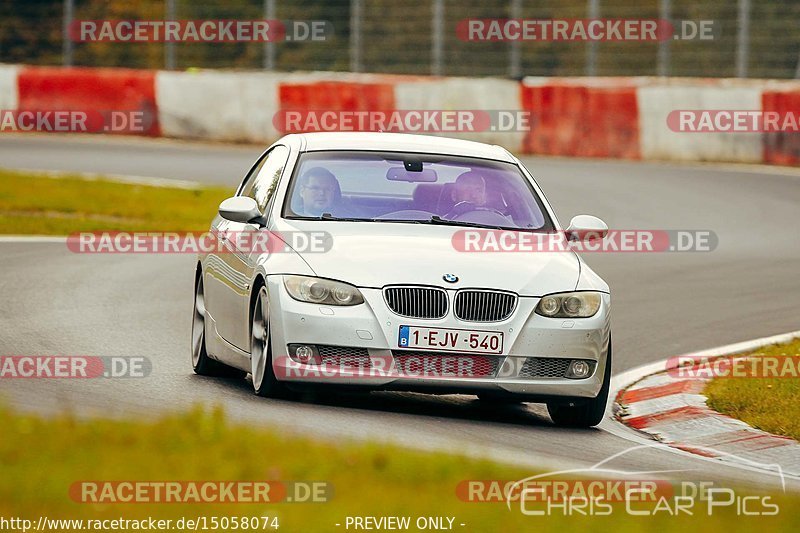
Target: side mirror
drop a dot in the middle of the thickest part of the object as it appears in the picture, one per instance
(240, 209)
(586, 228)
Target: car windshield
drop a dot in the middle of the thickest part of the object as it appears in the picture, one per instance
(413, 188)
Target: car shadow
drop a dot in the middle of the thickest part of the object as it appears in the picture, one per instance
(450, 406)
(453, 406)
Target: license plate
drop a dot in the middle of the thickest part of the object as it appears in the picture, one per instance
(452, 340)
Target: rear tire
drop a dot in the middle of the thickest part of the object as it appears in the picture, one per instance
(584, 413)
(202, 364)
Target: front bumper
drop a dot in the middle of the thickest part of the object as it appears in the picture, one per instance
(372, 329)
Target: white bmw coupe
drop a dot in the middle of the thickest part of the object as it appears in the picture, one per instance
(384, 261)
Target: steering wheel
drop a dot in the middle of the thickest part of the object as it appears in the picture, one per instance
(462, 208)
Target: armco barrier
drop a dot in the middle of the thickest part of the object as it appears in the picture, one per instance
(782, 148)
(98, 90)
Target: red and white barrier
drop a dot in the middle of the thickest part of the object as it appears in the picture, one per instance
(781, 148)
(582, 117)
(90, 90)
(9, 94)
(658, 141)
(465, 94)
(623, 118)
(341, 97)
(220, 106)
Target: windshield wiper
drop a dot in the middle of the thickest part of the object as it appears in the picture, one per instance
(328, 216)
(437, 220)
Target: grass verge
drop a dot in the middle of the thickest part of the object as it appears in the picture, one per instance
(770, 404)
(41, 458)
(35, 204)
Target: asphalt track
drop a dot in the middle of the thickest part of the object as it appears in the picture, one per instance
(58, 302)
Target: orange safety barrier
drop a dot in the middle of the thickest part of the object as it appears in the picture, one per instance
(781, 148)
(582, 121)
(333, 96)
(116, 100)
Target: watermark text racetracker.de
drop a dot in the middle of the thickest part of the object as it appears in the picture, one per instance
(122, 242)
(76, 121)
(199, 491)
(639, 241)
(471, 240)
(595, 29)
(199, 31)
(756, 366)
(733, 121)
(403, 120)
(73, 367)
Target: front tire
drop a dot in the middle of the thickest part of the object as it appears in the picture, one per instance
(587, 413)
(265, 383)
(202, 364)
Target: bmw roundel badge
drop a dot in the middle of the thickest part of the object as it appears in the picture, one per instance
(450, 278)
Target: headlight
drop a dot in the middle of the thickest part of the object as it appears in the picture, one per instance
(321, 291)
(569, 305)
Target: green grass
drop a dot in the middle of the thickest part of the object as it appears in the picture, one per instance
(41, 458)
(34, 204)
(769, 404)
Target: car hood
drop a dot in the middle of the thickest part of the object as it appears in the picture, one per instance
(378, 254)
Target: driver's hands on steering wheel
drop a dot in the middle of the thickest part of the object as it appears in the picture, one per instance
(466, 207)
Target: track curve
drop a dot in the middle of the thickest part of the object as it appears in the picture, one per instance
(57, 302)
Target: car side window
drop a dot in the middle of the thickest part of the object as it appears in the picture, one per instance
(266, 181)
(246, 188)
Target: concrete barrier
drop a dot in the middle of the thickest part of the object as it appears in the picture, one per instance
(658, 141)
(220, 106)
(96, 91)
(242, 106)
(575, 117)
(587, 119)
(338, 96)
(9, 95)
(454, 94)
(782, 148)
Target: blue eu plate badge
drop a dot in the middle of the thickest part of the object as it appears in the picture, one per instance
(403, 341)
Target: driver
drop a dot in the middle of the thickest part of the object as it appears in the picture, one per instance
(319, 190)
(469, 194)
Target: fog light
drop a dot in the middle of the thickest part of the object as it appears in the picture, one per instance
(303, 353)
(580, 369)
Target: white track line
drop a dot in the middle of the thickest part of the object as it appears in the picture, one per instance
(32, 238)
(120, 178)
